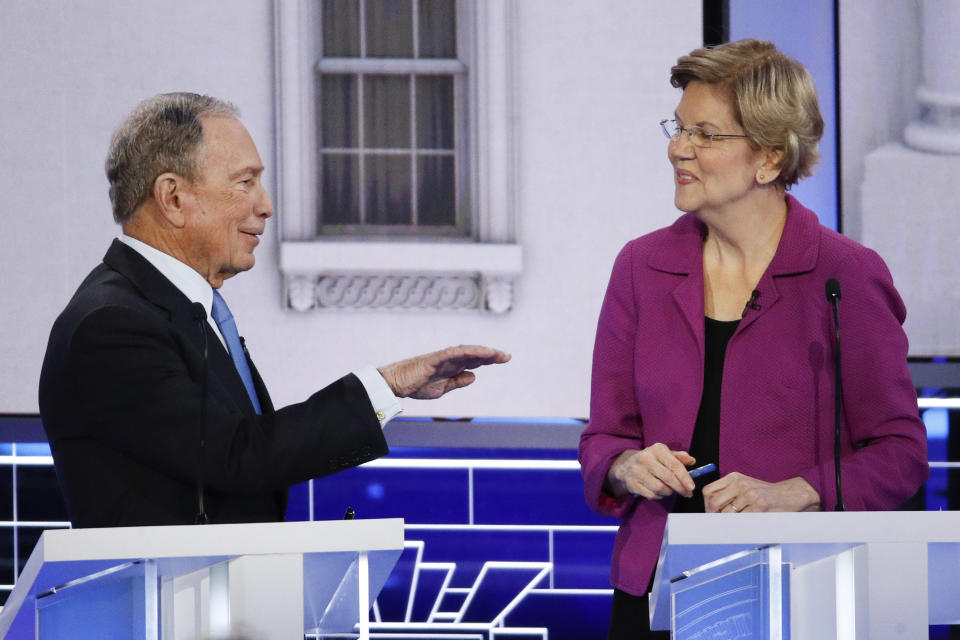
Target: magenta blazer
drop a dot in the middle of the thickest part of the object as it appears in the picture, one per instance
(777, 400)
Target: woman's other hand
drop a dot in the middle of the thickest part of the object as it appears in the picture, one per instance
(736, 492)
(654, 473)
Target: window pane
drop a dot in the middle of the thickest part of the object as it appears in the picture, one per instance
(435, 112)
(341, 189)
(338, 111)
(435, 191)
(438, 28)
(386, 112)
(388, 189)
(341, 28)
(389, 28)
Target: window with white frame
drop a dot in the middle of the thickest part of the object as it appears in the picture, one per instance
(390, 89)
(396, 174)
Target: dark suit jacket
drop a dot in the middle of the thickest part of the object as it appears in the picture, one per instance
(120, 398)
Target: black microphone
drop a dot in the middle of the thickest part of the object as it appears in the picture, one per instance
(200, 316)
(833, 297)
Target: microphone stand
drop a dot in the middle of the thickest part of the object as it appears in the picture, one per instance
(833, 296)
(200, 315)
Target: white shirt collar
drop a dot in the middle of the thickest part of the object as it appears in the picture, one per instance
(183, 276)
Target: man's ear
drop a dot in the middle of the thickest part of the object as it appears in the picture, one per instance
(172, 194)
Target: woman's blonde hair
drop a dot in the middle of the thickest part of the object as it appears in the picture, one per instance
(772, 95)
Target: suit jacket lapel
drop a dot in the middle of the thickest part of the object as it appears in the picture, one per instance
(156, 288)
(266, 405)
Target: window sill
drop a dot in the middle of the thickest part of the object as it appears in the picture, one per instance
(417, 275)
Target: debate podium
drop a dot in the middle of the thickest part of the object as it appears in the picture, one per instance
(280, 581)
(808, 575)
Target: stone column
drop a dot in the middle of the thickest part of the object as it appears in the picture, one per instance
(910, 193)
(938, 129)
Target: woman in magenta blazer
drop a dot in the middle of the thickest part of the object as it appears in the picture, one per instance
(715, 340)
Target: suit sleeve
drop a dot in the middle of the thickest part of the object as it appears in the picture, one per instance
(615, 421)
(136, 388)
(884, 445)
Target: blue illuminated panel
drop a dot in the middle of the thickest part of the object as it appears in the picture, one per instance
(418, 495)
(522, 496)
(581, 558)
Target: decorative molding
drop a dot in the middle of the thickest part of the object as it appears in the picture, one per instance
(497, 294)
(400, 275)
(401, 292)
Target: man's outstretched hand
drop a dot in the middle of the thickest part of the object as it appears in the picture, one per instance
(433, 374)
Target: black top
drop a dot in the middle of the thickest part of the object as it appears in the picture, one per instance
(705, 446)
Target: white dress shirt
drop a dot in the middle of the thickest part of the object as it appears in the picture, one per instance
(196, 288)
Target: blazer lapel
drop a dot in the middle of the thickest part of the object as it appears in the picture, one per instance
(681, 253)
(688, 296)
(156, 288)
(266, 405)
(769, 295)
(797, 253)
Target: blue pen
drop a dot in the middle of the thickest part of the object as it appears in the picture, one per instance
(694, 473)
(705, 469)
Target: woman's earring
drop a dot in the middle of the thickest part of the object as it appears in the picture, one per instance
(760, 178)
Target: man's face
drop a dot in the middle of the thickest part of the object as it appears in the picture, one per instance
(228, 205)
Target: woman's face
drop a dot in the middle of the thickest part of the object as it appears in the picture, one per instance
(711, 180)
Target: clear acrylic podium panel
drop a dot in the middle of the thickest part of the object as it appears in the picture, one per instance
(110, 604)
(281, 580)
(860, 575)
(126, 601)
(740, 596)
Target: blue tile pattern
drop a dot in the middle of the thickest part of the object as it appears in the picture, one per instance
(531, 496)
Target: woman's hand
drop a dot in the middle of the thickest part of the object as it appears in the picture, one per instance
(736, 492)
(655, 472)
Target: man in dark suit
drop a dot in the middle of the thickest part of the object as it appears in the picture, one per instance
(154, 411)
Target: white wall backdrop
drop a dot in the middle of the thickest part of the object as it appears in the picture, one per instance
(591, 84)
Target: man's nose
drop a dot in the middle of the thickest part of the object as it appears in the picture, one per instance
(265, 204)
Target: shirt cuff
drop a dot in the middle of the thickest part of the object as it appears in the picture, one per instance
(385, 404)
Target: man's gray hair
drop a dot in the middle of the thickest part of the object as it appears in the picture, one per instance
(163, 134)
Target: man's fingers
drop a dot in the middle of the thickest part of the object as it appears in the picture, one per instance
(452, 360)
(463, 379)
(433, 374)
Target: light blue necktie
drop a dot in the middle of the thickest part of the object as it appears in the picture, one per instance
(228, 329)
